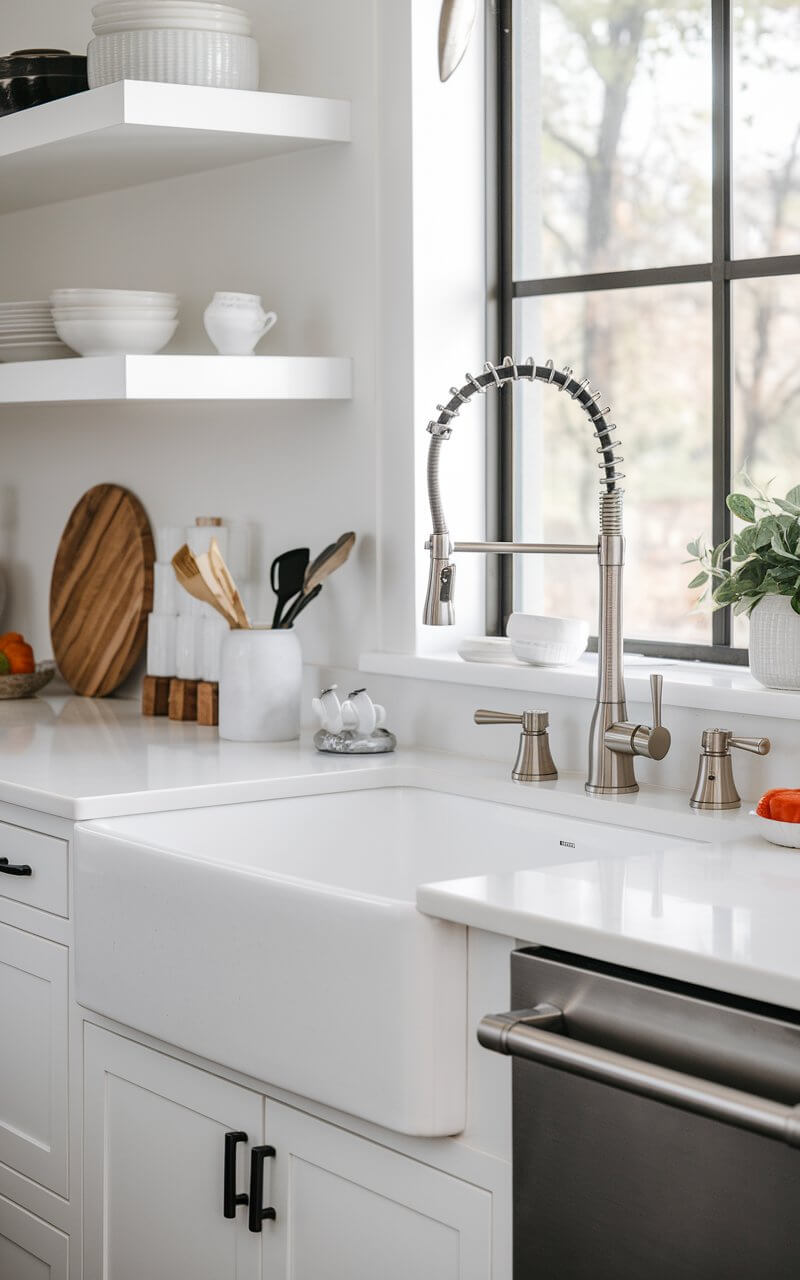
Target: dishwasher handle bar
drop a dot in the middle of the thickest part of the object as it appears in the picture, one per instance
(531, 1034)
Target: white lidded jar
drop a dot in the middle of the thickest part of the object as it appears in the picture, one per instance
(260, 685)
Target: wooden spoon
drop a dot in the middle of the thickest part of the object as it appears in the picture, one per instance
(332, 558)
(222, 574)
(328, 561)
(190, 578)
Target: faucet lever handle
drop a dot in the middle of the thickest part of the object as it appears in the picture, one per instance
(656, 690)
(759, 746)
(534, 763)
(497, 717)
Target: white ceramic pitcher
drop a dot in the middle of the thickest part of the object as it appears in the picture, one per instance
(236, 322)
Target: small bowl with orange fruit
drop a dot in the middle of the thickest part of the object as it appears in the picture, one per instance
(20, 675)
(777, 817)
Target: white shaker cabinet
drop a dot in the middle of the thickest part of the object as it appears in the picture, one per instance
(33, 1058)
(345, 1208)
(349, 1209)
(29, 1248)
(154, 1158)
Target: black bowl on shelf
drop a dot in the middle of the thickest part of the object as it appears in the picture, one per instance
(32, 76)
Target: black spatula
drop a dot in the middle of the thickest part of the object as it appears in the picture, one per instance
(287, 576)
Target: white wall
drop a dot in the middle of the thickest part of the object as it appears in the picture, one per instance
(374, 250)
(299, 229)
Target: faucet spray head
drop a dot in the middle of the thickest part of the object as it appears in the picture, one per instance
(439, 608)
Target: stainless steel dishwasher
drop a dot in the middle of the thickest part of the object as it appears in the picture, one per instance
(656, 1126)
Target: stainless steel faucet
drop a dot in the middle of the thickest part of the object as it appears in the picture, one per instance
(714, 787)
(613, 740)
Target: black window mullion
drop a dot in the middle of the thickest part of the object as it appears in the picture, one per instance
(506, 521)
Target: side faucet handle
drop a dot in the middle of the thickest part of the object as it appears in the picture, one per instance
(758, 746)
(497, 717)
(534, 763)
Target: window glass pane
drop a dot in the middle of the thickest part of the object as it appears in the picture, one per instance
(766, 128)
(649, 352)
(612, 149)
(766, 402)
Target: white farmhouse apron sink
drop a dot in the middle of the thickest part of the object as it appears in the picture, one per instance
(281, 939)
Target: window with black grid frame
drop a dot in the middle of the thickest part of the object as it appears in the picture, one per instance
(649, 219)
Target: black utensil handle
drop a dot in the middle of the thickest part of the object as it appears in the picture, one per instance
(230, 1198)
(257, 1215)
(299, 605)
(10, 869)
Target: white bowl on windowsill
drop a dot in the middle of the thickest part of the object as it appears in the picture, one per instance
(547, 642)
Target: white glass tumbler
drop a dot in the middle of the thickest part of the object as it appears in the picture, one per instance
(260, 685)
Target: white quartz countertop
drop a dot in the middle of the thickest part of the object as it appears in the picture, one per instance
(725, 915)
(723, 912)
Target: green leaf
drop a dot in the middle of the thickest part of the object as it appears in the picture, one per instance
(719, 552)
(796, 601)
(693, 548)
(793, 495)
(765, 529)
(699, 581)
(790, 507)
(742, 506)
(778, 545)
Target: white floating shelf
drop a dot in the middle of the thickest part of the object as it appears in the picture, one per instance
(138, 131)
(106, 378)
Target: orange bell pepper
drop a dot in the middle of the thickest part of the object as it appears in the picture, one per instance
(786, 807)
(764, 809)
(18, 653)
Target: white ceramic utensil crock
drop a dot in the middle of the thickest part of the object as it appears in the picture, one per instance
(260, 685)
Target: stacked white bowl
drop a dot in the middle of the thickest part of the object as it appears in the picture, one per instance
(27, 332)
(103, 322)
(174, 41)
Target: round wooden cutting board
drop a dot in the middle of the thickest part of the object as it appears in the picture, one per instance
(101, 590)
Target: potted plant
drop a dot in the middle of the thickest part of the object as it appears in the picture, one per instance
(762, 580)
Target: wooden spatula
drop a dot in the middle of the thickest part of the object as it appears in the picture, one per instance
(190, 578)
(332, 558)
(222, 574)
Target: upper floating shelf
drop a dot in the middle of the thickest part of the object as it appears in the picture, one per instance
(139, 131)
(106, 378)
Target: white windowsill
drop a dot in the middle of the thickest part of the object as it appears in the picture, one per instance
(698, 685)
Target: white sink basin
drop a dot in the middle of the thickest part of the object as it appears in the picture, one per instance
(281, 938)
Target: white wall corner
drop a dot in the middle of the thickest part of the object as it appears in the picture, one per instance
(431, 312)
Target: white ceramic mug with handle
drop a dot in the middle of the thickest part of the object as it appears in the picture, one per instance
(236, 322)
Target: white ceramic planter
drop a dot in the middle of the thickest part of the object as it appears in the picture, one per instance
(260, 686)
(775, 643)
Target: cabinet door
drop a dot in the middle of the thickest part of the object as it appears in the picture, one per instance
(348, 1209)
(154, 1141)
(29, 1248)
(33, 1057)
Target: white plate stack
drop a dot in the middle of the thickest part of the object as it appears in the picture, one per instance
(27, 332)
(106, 322)
(173, 41)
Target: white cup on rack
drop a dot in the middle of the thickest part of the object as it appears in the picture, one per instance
(236, 322)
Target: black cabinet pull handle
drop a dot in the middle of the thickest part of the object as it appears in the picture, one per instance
(230, 1198)
(12, 870)
(257, 1215)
